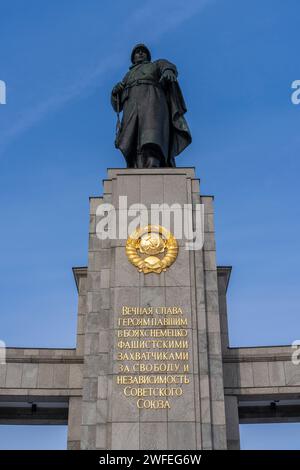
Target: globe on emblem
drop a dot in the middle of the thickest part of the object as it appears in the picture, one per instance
(152, 244)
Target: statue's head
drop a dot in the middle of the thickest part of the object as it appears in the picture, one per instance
(140, 53)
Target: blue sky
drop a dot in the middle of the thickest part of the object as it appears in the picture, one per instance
(236, 61)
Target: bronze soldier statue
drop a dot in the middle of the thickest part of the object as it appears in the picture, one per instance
(153, 128)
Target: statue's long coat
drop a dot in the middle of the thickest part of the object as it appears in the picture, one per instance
(152, 113)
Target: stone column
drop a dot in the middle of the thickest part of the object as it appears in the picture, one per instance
(111, 420)
(232, 422)
(74, 423)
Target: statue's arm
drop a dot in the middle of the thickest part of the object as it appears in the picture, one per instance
(167, 70)
(116, 95)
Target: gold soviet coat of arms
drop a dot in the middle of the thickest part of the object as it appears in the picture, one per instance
(152, 249)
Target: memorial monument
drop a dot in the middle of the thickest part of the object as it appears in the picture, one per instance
(153, 129)
(152, 368)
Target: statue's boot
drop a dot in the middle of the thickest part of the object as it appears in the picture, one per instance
(150, 157)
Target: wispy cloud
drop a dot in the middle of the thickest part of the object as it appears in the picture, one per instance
(55, 101)
(151, 22)
(156, 19)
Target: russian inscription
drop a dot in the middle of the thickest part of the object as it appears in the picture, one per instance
(152, 353)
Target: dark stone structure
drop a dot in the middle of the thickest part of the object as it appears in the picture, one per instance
(153, 129)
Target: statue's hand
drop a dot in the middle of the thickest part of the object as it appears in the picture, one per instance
(168, 76)
(118, 88)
